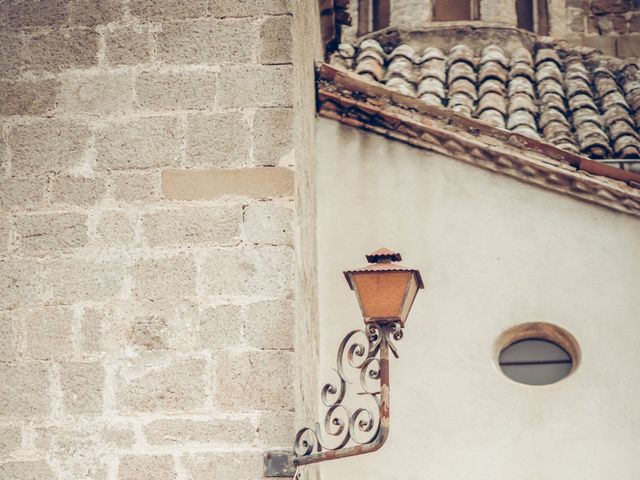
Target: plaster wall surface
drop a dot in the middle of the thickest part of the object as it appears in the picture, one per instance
(493, 253)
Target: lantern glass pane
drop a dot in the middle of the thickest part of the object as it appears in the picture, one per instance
(412, 291)
(381, 294)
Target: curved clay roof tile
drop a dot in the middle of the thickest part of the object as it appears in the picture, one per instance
(522, 101)
(461, 53)
(551, 115)
(527, 131)
(589, 131)
(582, 101)
(371, 44)
(550, 86)
(622, 128)
(400, 85)
(432, 86)
(492, 101)
(370, 55)
(521, 85)
(521, 117)
(613, 98)
(462, 100)
(492, 70)
(431, 99)
(627, 147)
(371, 67)
(492, 117)
(576, 86)
(492, 85)
(494, 53)
(431, 53)
(428, 71)
(606, 85)
(586, 115)
(461, 70)
(548, 54)
(400, 67)
(521, 55)
(522, 70)
(464, 110)
(617, 113)
(403, 50)
(549, 71)
(346, 50)
(465, 87)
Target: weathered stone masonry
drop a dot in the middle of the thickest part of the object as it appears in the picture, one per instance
(149, 279)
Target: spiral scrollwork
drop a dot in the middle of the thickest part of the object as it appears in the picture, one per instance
(342, 428)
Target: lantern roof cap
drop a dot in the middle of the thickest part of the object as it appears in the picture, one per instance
(383, 260)
(383, 255)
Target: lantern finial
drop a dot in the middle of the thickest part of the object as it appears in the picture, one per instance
(383, 255)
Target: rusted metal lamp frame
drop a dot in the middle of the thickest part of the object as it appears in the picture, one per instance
(385, 291)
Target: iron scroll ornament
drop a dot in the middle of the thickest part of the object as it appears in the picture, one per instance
(346, 433)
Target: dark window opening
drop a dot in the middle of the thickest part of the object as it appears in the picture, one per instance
(451, 10)
(535, 361)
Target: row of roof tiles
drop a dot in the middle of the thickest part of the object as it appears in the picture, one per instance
(577, 102)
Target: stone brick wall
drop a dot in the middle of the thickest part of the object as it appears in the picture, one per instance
(612, 26)
(156, 258)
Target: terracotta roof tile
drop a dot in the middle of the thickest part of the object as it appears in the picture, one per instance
(574, 98)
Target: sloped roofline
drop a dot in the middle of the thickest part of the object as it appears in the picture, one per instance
(353, 100)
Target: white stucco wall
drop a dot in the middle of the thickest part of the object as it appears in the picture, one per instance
(494, 253)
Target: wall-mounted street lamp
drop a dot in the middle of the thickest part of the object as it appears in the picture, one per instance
(385, 291)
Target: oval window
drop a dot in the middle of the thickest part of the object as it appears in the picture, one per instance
(535, 361)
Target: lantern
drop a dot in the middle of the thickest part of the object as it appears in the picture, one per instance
(385, 289)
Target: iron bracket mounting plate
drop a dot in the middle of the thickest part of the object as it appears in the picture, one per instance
(279, 464)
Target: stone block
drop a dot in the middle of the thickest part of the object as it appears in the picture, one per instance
(16, 14)
(22, 193)
(95, 12)
(147, 467)
(50, 233)
(224, 466)
(263, 271)
(49, 333)
(208, 42)
(10, 47)
(4, 234)
(241, 385)
(220, 327)
(606, 45)
(160, 325)
(114, 229)
(177, 90)
(600, 7)
(628, 46)
(8, 337)
(168, 277)
(217, 225)
(141, 143)
(24, 390)
(273, 134)
(218, 140)
(82, 387)
(217, 431)
(270, 325)
(634, 23)
(168, 9)
(27, 470)
(47, 146)
(31, 97)
(90, 335)
(215, 183)
(20, 282)
(269, 223)
(276, 42)
(256, 86)
(128, 45)
(102, 93)
(77, 191)
(73, 280)
(61, 49)
(249, 8)
(163, 386)
(276, 429)
(135, 187)
(10, 439)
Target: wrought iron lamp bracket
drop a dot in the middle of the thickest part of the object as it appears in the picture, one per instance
(346, 432)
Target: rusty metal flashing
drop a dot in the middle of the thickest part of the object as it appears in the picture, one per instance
(353, 100)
